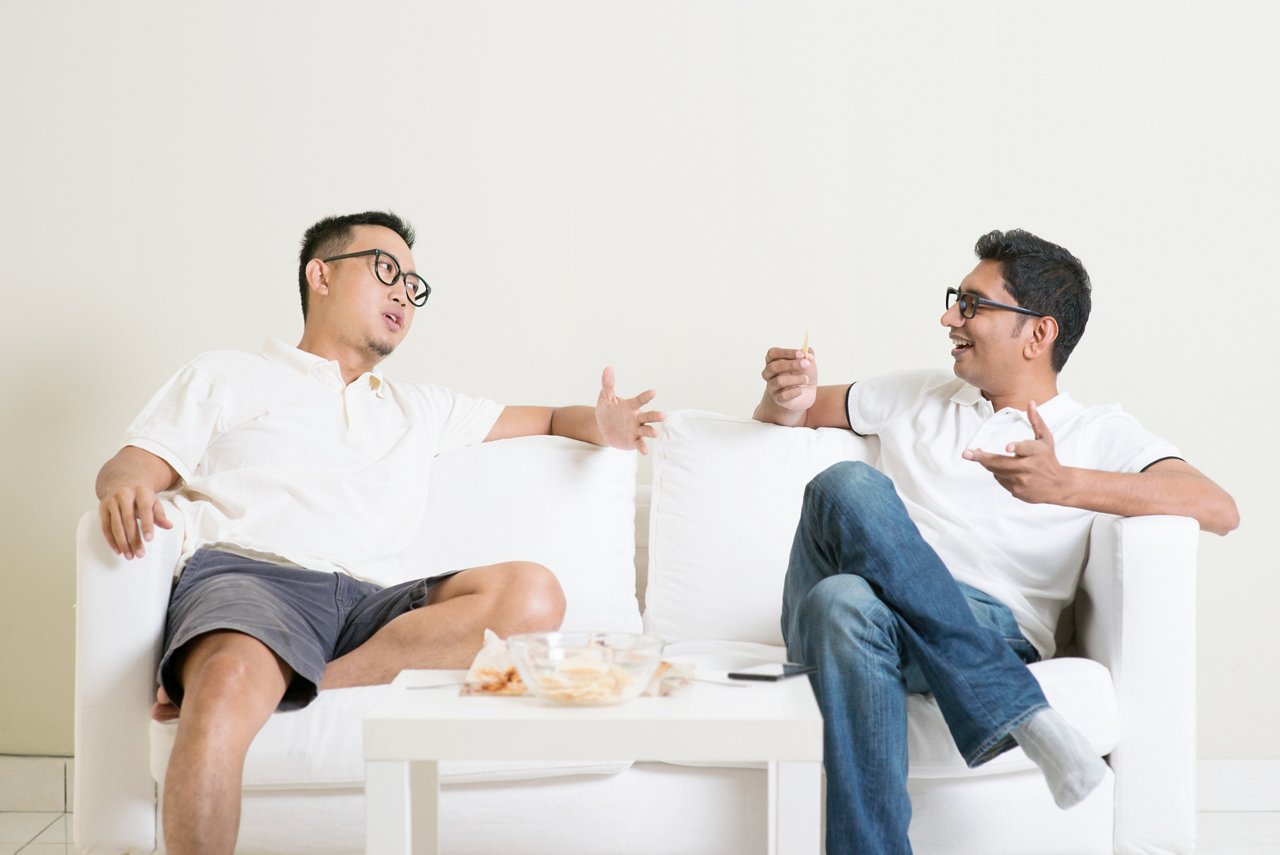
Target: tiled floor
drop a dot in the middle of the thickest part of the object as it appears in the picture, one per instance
(33, 833)
(1239, 833)
(1220, 833)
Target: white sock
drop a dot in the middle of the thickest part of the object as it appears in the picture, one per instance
(1070, 765)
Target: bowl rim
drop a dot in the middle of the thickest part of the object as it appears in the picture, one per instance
(639, 639)
(529, 647)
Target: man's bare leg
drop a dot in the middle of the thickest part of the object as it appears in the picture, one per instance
(163, 709)
(231, 685)
(517, 596)
(507, 598)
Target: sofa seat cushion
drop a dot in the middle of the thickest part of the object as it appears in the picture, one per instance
(1080, 689)
(322, 747)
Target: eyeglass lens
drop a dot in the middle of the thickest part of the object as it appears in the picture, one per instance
(417, 287)
(968, 305)
(386, 266)
(388, 271)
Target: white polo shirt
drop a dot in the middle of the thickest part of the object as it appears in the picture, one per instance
(1028, 556)
(282, 459)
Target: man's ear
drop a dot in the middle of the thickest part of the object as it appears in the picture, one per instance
(1043, 334)
(315, 277)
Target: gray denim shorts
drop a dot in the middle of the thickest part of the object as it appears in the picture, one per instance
(306, 617)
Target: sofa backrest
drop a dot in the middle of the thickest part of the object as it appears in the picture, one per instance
(721, 513)
(565, 504)
(724, 505)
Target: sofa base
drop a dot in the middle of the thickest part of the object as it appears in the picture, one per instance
(649, 808)
(698, 811)
(954, 816)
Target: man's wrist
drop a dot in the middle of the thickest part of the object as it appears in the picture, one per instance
(770, 412)
(1073, 487)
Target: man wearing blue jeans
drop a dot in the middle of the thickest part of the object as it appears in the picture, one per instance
(945, 569)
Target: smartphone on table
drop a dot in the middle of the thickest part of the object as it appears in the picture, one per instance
(772, 671)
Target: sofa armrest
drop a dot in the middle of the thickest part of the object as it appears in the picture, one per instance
(120, 616)
(1136, 614)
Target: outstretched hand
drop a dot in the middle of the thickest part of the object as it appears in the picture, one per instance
(622, 421)
(1033, 474)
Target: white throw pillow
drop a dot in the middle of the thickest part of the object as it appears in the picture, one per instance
(565, 504)
(726, 499)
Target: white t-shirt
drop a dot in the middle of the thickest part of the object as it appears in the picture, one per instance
(280, 458)
(1028, 556)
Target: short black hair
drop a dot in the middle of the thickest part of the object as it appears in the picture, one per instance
(333, 234)
(1044, 278)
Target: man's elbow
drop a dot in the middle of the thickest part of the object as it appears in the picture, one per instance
(1232, 520)
(1226, 518)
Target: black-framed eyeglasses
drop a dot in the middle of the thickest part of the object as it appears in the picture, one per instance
(969, 303)
(387, 268)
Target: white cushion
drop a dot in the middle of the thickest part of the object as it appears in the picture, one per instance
(1080, 689)
(565, 504)
(726, 499)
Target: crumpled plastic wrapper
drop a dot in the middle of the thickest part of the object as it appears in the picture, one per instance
(492, 672)
(670, 677)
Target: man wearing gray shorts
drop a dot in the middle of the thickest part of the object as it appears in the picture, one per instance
(301, 477)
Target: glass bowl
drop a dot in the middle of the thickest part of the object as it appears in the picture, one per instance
(585, 668)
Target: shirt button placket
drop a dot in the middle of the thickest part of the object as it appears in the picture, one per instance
(351, 405)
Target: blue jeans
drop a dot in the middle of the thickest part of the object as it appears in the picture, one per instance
(872, 605)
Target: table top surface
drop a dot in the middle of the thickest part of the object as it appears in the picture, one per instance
(422, 716)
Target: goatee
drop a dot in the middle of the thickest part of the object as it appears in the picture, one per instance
(383, 350)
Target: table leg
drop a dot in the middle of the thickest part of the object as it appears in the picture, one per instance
(401, 807)
(795, 808)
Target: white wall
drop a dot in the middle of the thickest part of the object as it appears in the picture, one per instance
(667, 186)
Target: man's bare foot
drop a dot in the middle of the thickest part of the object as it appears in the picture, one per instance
(163, 709)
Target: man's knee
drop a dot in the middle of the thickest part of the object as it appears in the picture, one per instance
(846, 489)
(842, 607)
(854, 499)
(838, 598)
(848, 478)
(530, 597)
(226, 666)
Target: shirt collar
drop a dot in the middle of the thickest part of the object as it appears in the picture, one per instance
(308, 363)
(1054, 411)
(967, 395)
(291, 357)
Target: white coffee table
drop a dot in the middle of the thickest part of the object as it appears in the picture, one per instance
(409, 730)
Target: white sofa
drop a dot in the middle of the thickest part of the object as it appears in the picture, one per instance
(706, 550)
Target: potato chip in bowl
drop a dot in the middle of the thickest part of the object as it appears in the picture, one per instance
(586, 668)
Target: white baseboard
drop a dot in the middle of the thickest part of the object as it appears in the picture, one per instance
(35, 783)
(1239, 785)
